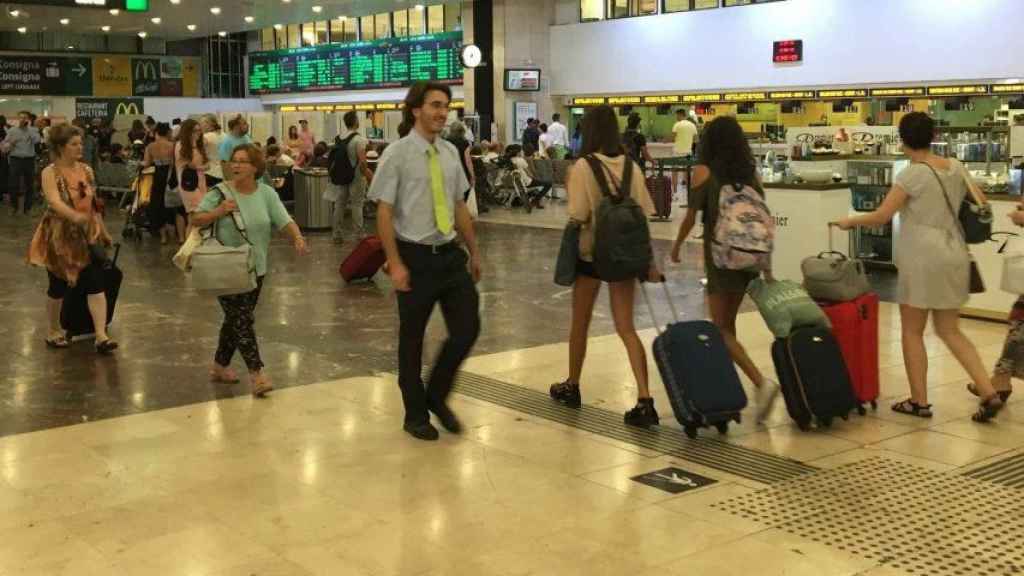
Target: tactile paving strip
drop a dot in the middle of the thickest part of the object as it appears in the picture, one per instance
(1007, 472)
(710, 452)
(900, 515)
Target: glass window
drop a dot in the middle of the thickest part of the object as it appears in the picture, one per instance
(416, 21)
(281, 37)
(382, 25)
(308, 34)
(343, 30)
(321, 32)
(453, 16)
(705, 4)
(746, 2)
(435, 19)
(618, 9)
(366, 31)
(401, 21)
(294, 38)
(591, 10)
(267, 39)
(676, 6)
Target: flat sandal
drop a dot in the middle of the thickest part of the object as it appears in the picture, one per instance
(912, 408)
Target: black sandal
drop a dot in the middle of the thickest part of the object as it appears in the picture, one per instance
(988, 409)
(1004, 395)
(106, 347)
(913, 408)
(59, 342)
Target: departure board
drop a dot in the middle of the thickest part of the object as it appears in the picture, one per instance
(391, 63)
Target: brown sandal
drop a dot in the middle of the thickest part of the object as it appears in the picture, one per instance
(1004, 395)
(913, 408)
(59, 342)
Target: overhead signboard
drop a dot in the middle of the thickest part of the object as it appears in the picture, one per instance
(587, 101)
(744, 96)
(128, 5)
(108, 108)
(671, 99)
(51, 76)
(792, 95)
(898, 92)
(970, 90)
(624, 100)
(145, 76)
(389, 63)
(699, 98)
(1017, 88)
(848, 93)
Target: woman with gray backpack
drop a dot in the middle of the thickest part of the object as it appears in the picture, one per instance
(609, 201)
(726, 160)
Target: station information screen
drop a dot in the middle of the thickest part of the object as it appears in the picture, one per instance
(787, 51)
(391, 63)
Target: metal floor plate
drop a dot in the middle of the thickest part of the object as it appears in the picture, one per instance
(710, 452)
(900, 515)
(1006, 472)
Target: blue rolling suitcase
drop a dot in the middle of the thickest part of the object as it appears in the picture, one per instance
(699, 375)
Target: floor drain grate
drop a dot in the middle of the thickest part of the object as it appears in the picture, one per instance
(1006, 472)
(709, 452)
(900, 515)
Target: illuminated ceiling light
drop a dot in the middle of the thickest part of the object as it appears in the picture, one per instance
(143, 34)
(222, 34)
(65, 21)
(105, 28)
(114, 11)
(155, 20)
(287, 1)
(343, 18)
(278, 26)
(15, 13)
(249, 19)
(22, 30)
(419, 7)
(71, 47)
(175, 2)
(215, 10)
(318, 9)
(191, 27)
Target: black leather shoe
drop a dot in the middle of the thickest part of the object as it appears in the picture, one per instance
(422, 431)
(447, 418)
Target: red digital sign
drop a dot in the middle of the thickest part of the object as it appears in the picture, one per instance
(787, 51)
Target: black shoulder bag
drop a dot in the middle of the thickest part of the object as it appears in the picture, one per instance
(977, 284)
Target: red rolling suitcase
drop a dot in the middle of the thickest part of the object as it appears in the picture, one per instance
(364, 261)
(855, 326)
(660, 188)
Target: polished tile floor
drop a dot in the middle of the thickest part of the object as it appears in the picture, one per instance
(136, 465)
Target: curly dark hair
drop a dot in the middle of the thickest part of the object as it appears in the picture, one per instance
(917, 130)
(725, 150)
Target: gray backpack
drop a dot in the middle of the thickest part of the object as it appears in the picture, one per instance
(622, 240)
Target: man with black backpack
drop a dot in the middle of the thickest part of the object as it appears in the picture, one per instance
(350, 177)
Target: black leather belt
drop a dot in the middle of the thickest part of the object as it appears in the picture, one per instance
(431, 248)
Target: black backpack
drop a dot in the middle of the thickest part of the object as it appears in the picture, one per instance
(339, 166)
(622, 240)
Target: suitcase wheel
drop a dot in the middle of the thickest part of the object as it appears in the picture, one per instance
(722, 427)
(874, 405)
(691, 432)
(861, 410)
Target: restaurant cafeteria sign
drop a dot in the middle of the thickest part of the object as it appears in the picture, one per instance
(108, 108)
(50, 76)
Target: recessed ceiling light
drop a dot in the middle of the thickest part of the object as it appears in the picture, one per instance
(278, 26)
(22, 30)
(318, 9)
(215, 10)
(71, 47)
(65, 21)
(342, 18)
(250, 19)
(155, 20)
(287, 1)
(191, 27)
(175, 2)
(418, 7)
(15, 13)
(222, 34)
(114, 11)
(105, 28)
(143, 34)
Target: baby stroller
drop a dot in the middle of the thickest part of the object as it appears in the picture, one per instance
(136, 218)
(510, 189)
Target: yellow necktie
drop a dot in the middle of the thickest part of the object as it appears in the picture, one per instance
(444, 220)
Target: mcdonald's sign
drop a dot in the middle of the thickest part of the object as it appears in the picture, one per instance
(146, 76)
(108, 108)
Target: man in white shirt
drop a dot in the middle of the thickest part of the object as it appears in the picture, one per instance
(685, 135)
(559, 136)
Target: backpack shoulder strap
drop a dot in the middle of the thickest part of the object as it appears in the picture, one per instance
(625, 187)
(598, 169)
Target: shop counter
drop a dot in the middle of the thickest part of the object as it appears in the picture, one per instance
(993, 304)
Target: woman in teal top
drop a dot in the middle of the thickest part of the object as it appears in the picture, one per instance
(261, 213)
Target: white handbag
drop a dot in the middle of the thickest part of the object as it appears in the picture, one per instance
(220, 270)
(1013, 265)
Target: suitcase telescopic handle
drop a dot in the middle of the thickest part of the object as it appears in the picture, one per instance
(650, 308)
